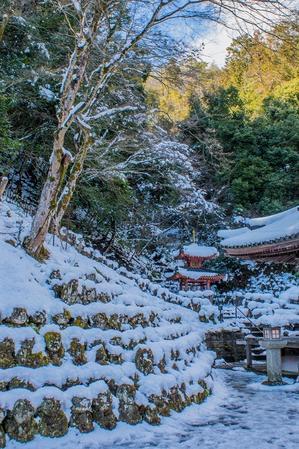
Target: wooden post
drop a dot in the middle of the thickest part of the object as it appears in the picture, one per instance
(248, 354)
(3, 184)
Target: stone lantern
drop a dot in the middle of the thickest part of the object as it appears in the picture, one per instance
(273, 343)
(272, 333)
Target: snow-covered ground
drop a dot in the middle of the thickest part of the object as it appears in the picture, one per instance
(241, 414)
(280, 309)
(80, 326)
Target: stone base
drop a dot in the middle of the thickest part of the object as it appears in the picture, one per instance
(273, 383)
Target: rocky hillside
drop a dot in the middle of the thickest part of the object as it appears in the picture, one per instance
(85, 343)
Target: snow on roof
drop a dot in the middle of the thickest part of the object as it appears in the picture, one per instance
(264, 221)
(284, 225)
(196, 274)
(227, 233)
(200, 251)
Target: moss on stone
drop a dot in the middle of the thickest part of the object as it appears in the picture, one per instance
(38, 319)
(54, 347)
(2, 432)
(144, 360)
(102, 411)
(161, 404)
(26, 356)
(7, 353)
(62, 319)
(128, 409)
(102, 355)
(151, 416)
(81, 322)
(15, 382)
(81, 414)
(53, 422)
(19, 423)
(77, 351)
(176, 399)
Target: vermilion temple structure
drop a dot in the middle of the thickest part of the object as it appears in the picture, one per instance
(193, 275)
(267, 239)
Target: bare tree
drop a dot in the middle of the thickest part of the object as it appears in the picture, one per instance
(112, 29)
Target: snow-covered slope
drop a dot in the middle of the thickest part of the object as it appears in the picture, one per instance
(83, 342)
(267, 309)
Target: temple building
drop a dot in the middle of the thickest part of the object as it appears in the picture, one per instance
(267, 239)
(192, 275)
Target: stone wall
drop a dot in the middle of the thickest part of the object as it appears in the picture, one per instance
(224, 343)
(97, 359)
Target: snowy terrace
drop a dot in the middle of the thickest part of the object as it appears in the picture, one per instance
(79, 332)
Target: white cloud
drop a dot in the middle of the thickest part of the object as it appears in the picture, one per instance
(215, 43)
(217, 38)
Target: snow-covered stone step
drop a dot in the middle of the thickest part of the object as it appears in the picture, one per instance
(199, 369)
(66, 375)
(9, 398)
(50, 411)
(91, 289)
(195, 301)
(167, 354)
(127, 339)
(104, 316)
(85, 291)
(25, 346)
(70, 332)
(169, 331)
(185, 386)
(115, 316)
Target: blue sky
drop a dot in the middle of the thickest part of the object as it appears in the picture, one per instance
(216, 37)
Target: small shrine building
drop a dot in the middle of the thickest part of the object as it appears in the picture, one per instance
(193, 275)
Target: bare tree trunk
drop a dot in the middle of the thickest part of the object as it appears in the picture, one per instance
(113, 235)
(71, 183)
(3, 184)
(60, 160)
(3, 24)
(48, 200)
